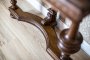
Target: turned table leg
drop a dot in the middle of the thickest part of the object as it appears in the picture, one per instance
(70, 41)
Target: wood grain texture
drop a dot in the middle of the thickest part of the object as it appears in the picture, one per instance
(19, 41)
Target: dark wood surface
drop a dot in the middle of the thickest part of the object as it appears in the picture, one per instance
(73, 9)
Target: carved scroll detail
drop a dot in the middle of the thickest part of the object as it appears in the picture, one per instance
(13, 2)
(50, 19)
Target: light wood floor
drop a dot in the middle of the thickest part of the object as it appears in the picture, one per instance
(22, 41)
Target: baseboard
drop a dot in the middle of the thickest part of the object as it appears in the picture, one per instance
(85, 46)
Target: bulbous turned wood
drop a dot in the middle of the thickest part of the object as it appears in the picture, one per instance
(70, 45)
(50, 18)
(70, 41)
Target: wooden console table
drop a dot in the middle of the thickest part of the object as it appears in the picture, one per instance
(69, 40)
